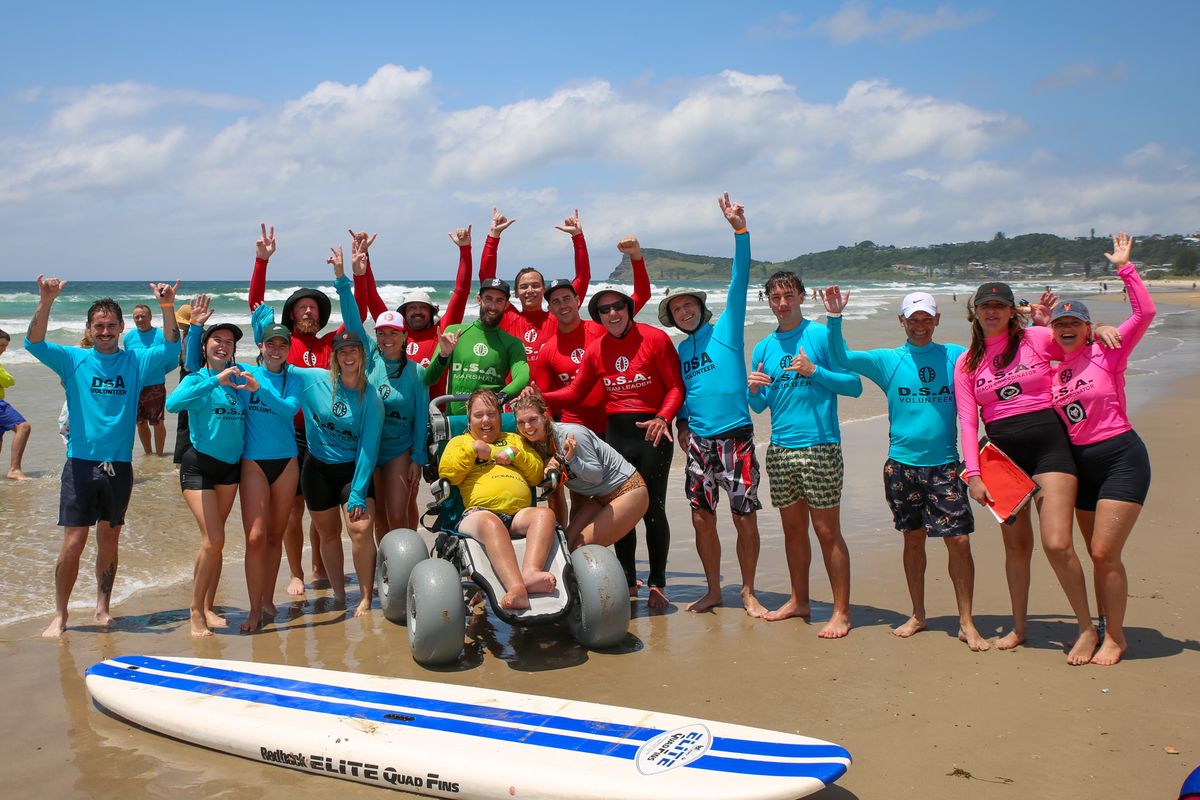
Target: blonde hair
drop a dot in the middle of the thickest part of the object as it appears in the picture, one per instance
(536, 403)
(335, 376)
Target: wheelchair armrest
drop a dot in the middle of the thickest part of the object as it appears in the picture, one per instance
(549, 485)
(440, 489)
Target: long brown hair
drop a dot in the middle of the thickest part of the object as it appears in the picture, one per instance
(536, 403)
(1016, 331)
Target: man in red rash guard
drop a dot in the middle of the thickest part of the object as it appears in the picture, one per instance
(532, 325)
(419, 312)
(639, 370)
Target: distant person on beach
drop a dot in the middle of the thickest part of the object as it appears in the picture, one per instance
(11, 420)
(714, 428)
(611, 496)
(639, 369)
(531, 324)
(922, 474)
(794, 377)
(150, 404)
(1005, 375)
(102, 385)
(1114, 466)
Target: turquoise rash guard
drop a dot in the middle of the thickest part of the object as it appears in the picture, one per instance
(919, 385)
(803, 409)
(713, 358)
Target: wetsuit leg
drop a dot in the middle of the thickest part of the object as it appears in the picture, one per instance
(654, 463)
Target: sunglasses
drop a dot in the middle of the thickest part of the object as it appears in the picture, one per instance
(604, 309)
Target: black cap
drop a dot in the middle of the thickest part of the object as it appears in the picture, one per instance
(222, 326)
(497, 284)
(346, 339)
(1071, 308)
(995, 291)
(324, 307)
(594, 303)
(560, 283)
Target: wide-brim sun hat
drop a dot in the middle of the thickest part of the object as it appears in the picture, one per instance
(324, 307)
(419, 297)
(667, 318)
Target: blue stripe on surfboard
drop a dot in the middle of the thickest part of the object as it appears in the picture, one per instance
(747, 747)
(826, 772)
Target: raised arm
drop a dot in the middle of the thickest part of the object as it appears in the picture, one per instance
(457, 305)
(165, 294)
(202, 310)
(347, 305)
(864, 362)
(1141, 304)
(264, 248)
(583, 267)
(365, 291)
(48, 291)
(732, 325)
(487, 261)
(641, 278)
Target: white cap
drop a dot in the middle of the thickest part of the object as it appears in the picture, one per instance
(390, 319)
(918, 301)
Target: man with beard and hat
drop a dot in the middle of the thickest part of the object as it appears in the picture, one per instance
(480, 355)
(532, 325)
(714, 426)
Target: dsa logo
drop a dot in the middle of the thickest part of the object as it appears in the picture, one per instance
(1065, 375)
(480, 349)
(385, 391)
(411, 349)
(530, 336)
(785, 362)
(998, 361)
(340, 409)
(1075, 413)
(621, 364)
(927, 374)
(1009, 392)
(577, 355)
(310, 358)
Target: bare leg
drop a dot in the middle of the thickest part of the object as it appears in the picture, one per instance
(557, 503)
(1087, 523)
(143, 431)
(537, 525)
(962, 574)
(160, 438)
(799, 557)
(362, 552)
(411, 518)
(66, 570)
(708, 546)
(593, 523)
(1018, 553)
(914, 575)
(205, 508)
(382, 523)
(255, 496)
(488, 529)
(1114, 522)
(396, 490)
(1055, 504)
(320, 574)
(106, 570)
(293, 545)
(827, 525)
(328, 524)
(283, 491)
(746, 526)
(20, 439)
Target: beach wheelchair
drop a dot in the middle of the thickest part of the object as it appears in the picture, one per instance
(425, 588)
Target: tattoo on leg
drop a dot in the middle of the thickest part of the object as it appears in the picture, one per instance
(107, 579)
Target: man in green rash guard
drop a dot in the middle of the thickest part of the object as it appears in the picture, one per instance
(479, 354)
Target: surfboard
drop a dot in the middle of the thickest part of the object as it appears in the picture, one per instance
(1007, 483)
(444, 740)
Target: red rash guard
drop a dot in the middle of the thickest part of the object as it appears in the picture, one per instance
(640, 374)
(422, 345)
(534, 326)
(561, 355)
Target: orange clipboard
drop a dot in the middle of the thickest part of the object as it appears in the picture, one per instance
(1007, 483)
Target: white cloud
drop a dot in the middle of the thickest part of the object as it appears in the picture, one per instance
(1080, 72)
(105, 103)
(854, 22)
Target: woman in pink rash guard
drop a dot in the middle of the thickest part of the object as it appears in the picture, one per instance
(1114, 467)
(1005, 375)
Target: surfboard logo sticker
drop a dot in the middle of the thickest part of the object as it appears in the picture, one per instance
(671, 749)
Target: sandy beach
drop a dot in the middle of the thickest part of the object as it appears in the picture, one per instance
(923, 717)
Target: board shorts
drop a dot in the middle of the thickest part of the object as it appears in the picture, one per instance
(933, 498)
(1114, 469)
(152, 403)
(94, 491)
(723, 462)
(199, 471)
(810, 474)
(1036, 441)
(273, 468)
(634, 481)
(10, 418)
(328, 486)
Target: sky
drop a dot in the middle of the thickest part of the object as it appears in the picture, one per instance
(148, 140)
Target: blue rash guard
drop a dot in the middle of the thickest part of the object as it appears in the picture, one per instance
(216, 415)
(341, 428)
(713, 358)
(102, 393)
(919, 385)
(803, 409)
(401, 387)
(144, 340)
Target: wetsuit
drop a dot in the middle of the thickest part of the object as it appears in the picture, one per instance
(560, 356)
(641, 377)
(501, 489)
(533, 326)
(482, 359)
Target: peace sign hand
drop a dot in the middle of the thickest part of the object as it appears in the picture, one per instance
(335, 261)
(735, 213)
(264, 248)
(358, 259)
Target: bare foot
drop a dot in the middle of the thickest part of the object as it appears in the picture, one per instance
(102, 618)
(657, 598)
(1110, 652)
(538, 581)
(709, 601)
(198, 625)
(974, 639)
(363, 608)
(1084, 649)
(56, 627)
(633, 590)
(914, 625)
(837, 627)
(1010, 640)
(516, 600)
(215, 621)
(17, 475)
(790, 609)
(750, 602)
(295, 586)
(270, 610)
(339, 598)
(320, 582)
(254, 622)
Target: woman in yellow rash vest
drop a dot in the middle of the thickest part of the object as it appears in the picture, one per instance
(494, 471)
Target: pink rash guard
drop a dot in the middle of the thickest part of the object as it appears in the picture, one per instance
(1089, 386)
(1004, 391)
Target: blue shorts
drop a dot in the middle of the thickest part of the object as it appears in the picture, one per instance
(933, 498)
(10, 418)
(94, 491)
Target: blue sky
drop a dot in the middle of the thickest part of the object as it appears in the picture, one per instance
(147, 139)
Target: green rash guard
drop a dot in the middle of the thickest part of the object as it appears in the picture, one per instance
(482, 359)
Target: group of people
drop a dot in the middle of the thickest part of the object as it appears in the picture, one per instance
(336, 424)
